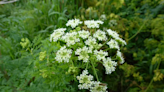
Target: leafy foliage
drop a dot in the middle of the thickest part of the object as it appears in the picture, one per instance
(22, 62)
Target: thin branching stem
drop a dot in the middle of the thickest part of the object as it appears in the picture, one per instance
(95, 71)
(138, 30)
(152, 79)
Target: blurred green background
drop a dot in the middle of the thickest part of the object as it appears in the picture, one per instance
(25, 26)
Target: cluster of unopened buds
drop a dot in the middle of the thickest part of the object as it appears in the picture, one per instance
(89, 47)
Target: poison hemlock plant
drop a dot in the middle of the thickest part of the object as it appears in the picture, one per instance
(83, 49)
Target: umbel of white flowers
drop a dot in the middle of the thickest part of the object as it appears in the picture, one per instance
(91, 43)
(86, 82)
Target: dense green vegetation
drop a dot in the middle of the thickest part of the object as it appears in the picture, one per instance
(26, 25)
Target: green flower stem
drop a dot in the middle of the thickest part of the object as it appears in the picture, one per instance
(104, 43)
(149, 85)
(138, 30)
(48, 59)
(152, 78)
(95, 71)
(107, 49)
(72, 63)
(87, 65)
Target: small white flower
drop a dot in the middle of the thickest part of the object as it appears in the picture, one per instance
(109, 65)
(73, 23)
(103, 17)
(100, 35)
(120, 57)
(123, 42)
(99, 21)
(113, 44)
(83, 53)
(85, 80)
(84, 34)
(113, 22)
(71, 38)
(57, 34)
(100, 55)
(114, 34)
(98, 87)
(91, 42)
(93, 23)
(63, 54)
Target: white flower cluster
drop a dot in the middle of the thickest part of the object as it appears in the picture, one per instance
(83, 53)
(92, 43)
(93, 23)
(119, 56)
(109, 65)
(88, 47)
(86, 82)
(103, 17)
(63, 54)
(84, 34)
(73, 23)
(115, 35)
(100, 35)
(71, 38)
(112, 23)
(100, 55)
(114, 43)
(98, 87)
(57, 34)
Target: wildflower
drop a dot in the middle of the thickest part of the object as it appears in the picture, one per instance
(120, 57)
(83, 53)
(113, 44)
(100, 54)
(72, 70)
(109, 65)
(156, 59)
(158, 75)
(137, 76)
(99, 22)
(42, 55)
(63, 54)
(84, 34)
(113, 33)
(57, 34)
(112, 23)
(25, 42)
(98, 87)
(100, 35)
(103, 17)
(71, 38)
(121, 41)
(85, 80)
(93, 23)
(91, 42)
(73, 23)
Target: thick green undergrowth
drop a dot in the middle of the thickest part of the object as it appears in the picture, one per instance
(25, 27)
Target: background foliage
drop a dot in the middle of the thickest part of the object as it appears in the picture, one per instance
(25, 51)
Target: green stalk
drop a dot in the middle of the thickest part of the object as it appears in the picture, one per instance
(107, 49)
(87, 65)
(95, 71)
(152, 79)
(104, 43)
(138, 30)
